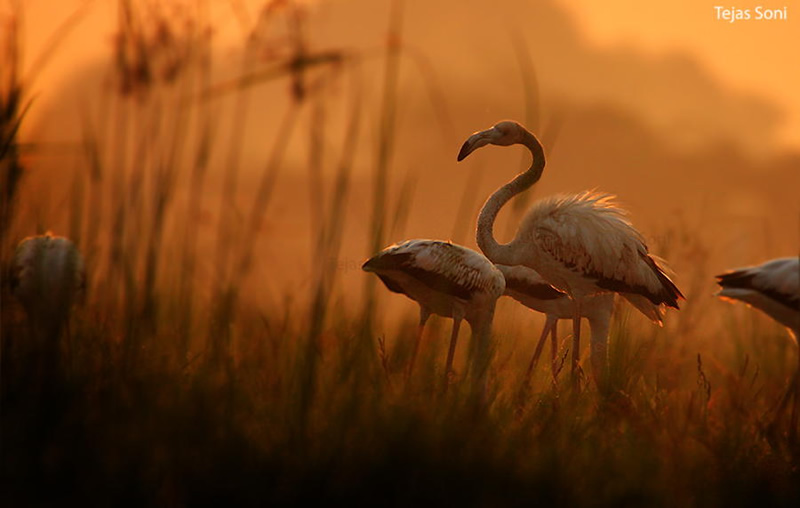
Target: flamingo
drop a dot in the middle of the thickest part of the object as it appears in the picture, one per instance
(47, 277)
(531, 290)
(582, 244)
(444, 279)
(774, 288)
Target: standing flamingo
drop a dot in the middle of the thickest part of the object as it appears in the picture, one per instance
(47, 277)
(582, 244)
(774, 288)
(531, 290)
(444, 279)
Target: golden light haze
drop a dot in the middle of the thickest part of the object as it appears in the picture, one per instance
(754, 58)
(690, 120)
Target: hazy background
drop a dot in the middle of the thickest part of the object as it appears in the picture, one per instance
(691, 121)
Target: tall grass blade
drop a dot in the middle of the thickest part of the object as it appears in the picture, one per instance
(386, 133)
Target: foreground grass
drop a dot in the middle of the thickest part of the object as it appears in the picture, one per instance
(173, 393)
(150, 429)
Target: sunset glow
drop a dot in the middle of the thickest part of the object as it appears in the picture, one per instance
(300, 252)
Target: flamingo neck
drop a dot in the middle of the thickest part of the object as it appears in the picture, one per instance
(504, 253)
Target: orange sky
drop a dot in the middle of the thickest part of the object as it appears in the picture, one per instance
(753, 57)
(635, 77)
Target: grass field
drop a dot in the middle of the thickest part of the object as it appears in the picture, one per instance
(174, 388)
(139, 426)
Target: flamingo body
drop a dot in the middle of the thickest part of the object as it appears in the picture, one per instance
(531, 290)
(444, 279)
(448, 279)
(772, 287)
(582, 244)
(586, 245)
(47, 275)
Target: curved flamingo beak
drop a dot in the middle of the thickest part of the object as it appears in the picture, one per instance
(476, 141)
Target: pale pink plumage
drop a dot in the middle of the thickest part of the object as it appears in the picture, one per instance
(582, 244)
(774, 288)
(531, 290)
(444, 279)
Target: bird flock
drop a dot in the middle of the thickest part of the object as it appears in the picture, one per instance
(570, 256)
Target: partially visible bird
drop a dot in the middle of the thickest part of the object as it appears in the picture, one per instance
(444, 279)
(47, 277)
(531, 290)
(774, 288)
(526, 286)
(582, 244)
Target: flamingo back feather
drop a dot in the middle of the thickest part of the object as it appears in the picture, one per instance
(590, 235)
(773, 287)
(441, 266)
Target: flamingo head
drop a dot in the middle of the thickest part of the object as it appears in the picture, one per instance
(505, 133)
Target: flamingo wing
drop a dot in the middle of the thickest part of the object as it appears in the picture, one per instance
(778, 279)
(527, 281)
(441, 266)
(591, 236)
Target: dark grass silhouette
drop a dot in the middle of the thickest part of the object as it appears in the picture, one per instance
(172, 390)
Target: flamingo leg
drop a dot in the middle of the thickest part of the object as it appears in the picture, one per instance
(481, 357)
(599, 349)
(548, 325)
(554, 347)
(599, 355)
(424, 314)
(796, 389)
(576, 345)
(451, 352)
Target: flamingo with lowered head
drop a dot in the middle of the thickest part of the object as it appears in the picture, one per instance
(582, 244)
(774, 288)
(448, 280)
(531, 290)
(48, 277)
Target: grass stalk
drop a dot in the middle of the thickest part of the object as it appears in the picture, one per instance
(199, 169)
(307, 413)
(327, 248)
(386, 135)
